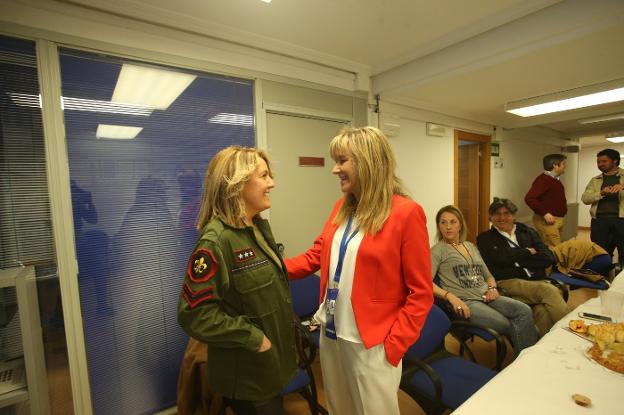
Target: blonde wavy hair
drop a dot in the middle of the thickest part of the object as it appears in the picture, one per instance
(224, 180)
(463, 231)
(374, 161)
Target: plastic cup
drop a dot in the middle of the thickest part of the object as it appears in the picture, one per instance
(611, 303)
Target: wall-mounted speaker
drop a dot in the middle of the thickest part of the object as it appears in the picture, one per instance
(391, 129)
(390, 124)
(437, 130)
(571, 149)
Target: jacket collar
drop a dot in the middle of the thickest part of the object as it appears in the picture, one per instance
(519, 227)
(619, 173)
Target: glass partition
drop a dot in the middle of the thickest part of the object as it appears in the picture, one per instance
(139, 138)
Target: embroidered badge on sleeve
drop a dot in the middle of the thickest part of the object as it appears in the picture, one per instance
(244, 254)
(195, 298)
(202, 266)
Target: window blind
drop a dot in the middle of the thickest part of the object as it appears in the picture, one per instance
(137, 153)
(25, 227)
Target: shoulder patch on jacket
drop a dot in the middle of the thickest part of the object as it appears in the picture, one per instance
(194, 298)
(202, 265)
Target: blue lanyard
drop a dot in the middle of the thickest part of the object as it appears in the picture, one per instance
(343, 248)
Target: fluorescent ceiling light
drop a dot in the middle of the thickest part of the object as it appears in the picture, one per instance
(586, 96)
(611, 117)
(117, 132)
(95, 105)
(150, 87)
(232, 119)
(582, 101)
(616, 139)
(25, 100)
(82, 104)
(266, 1)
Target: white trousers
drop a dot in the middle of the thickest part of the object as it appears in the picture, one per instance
(358, 381)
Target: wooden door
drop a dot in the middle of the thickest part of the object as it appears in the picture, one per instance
(468, 197)
(472, 180)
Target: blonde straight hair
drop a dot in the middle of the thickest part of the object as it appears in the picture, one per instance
(374, 161)
(224, 180)
(463, 231)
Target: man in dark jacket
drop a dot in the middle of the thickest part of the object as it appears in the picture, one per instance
(517, 257)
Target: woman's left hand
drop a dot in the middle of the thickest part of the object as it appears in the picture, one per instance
(491, 295)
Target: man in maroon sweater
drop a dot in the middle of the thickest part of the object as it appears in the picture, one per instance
(547, 199)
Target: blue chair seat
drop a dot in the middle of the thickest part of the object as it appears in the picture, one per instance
(486, 336)
(460, 379)
(300, 381)
(462, 333)
(577, 282)
(305, 297)
(436, 379)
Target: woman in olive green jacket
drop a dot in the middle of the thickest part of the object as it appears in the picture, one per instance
(235, 296)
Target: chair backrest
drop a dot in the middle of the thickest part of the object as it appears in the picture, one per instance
(305, 295)
(436, 280)
(437, 325)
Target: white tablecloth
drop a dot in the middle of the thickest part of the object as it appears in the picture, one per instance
(544, 377)
(618, 283)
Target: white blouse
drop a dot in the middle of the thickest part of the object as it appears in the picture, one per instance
(344, 318)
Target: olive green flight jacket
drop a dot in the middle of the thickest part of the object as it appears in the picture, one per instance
(234, 293)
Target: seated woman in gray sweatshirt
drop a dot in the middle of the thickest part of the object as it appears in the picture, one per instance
(468, 286)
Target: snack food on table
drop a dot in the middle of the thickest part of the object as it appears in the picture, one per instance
(607, 333)
(578, 326)
(581, 399)
(608, 348)
(608, 358)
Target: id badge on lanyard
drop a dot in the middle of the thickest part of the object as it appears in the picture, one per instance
(330, 306)
(332, 293)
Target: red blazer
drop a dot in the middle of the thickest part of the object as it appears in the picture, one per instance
(392, 288)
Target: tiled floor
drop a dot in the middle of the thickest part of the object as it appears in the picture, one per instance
(60, 391)
(484, 353)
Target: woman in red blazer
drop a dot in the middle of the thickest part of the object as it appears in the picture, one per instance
(376, 289)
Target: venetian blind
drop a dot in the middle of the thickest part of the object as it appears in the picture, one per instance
(25, 227)
(136, 164)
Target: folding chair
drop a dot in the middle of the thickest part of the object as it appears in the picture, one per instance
(434, 378)
(305, 297)
(578, 283)
(463, 333)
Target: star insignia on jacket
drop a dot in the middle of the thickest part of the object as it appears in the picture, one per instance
(245, 254)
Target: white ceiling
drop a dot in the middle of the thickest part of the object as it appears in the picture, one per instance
(460, 58)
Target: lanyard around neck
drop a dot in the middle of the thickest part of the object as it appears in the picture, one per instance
(471, 262)
(344, 242)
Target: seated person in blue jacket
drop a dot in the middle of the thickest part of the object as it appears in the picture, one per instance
(518, 259)
(468, 286)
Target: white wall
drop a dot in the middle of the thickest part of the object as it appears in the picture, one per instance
(74, 25)
(587, 170)
(522, 162)
(425, 164)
